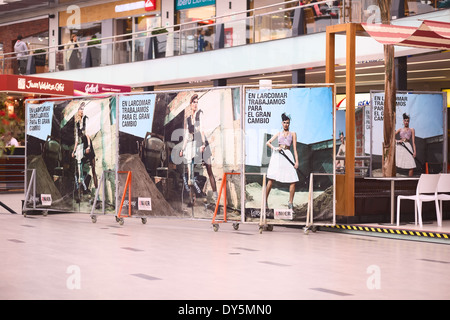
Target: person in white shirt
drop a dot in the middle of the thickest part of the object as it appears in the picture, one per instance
(21, 50)
(10, 140)
(73, 54)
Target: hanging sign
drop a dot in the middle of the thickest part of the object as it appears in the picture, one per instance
(188, 4)
(26, 84)
(87, 88)
(136, 114)
(150, 5)
(39, 120)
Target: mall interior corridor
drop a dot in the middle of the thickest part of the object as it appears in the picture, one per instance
(68, 257)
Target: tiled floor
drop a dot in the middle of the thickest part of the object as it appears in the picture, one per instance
(66, 256)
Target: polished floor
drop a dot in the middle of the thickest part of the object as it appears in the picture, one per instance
(66, 256)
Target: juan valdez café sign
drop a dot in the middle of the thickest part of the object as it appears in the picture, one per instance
(25, 84)
(41, 85)
(15, 83)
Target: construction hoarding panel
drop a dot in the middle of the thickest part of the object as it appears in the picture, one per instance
(177, 145)
(420, 124)
(70, 143)
(288, 136)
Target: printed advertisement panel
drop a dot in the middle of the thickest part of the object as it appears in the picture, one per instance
(288, 136)
(177, 145)
(70, 144)
(419, 130)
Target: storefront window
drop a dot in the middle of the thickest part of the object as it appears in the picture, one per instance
(86, 32)
(143, 23)
(122, 49)
(37, 41)
(134, 48)
(196, 34)
(272, 23)
(255, 4)
(36, 44)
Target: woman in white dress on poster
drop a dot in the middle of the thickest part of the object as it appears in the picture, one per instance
(281, 169)
(406, 147)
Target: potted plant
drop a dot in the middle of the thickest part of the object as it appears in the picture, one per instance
(94, 51)
(39, 58)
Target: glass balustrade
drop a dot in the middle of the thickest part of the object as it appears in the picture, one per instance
(279, 21)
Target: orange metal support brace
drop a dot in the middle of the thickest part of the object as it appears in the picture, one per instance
(223, 188)
(127, 185)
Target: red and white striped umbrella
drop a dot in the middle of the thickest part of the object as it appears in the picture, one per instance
(430, 34)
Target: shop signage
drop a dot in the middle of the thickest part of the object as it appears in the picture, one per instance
(88, 88)
(26, 84)
(187, 4)
(36, 85)
(39, 120)
(148, 5)
(31, 84)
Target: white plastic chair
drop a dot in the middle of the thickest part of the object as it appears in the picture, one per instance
(425, 192)
(443, 192)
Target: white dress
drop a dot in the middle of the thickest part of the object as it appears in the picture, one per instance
(280, 169)
(404, 158)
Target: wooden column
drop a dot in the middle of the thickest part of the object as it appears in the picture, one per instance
(345, 186)
(330, 56)
(349, 188)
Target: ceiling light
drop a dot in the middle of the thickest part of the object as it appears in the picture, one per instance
(271, 76)
(428, 70)
(364, 75)
(429, 61)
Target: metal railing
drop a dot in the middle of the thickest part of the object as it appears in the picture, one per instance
(279, 21)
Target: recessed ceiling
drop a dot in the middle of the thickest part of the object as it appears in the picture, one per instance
(9, 6)
(426, 72)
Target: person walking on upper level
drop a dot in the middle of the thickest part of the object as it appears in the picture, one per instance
(21, 50)
(73, 53)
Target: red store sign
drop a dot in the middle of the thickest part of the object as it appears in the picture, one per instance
(56, 87)
(89, 88)
(150, 5)
(14, 83)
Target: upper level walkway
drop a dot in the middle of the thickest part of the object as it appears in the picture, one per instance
(275, 41)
